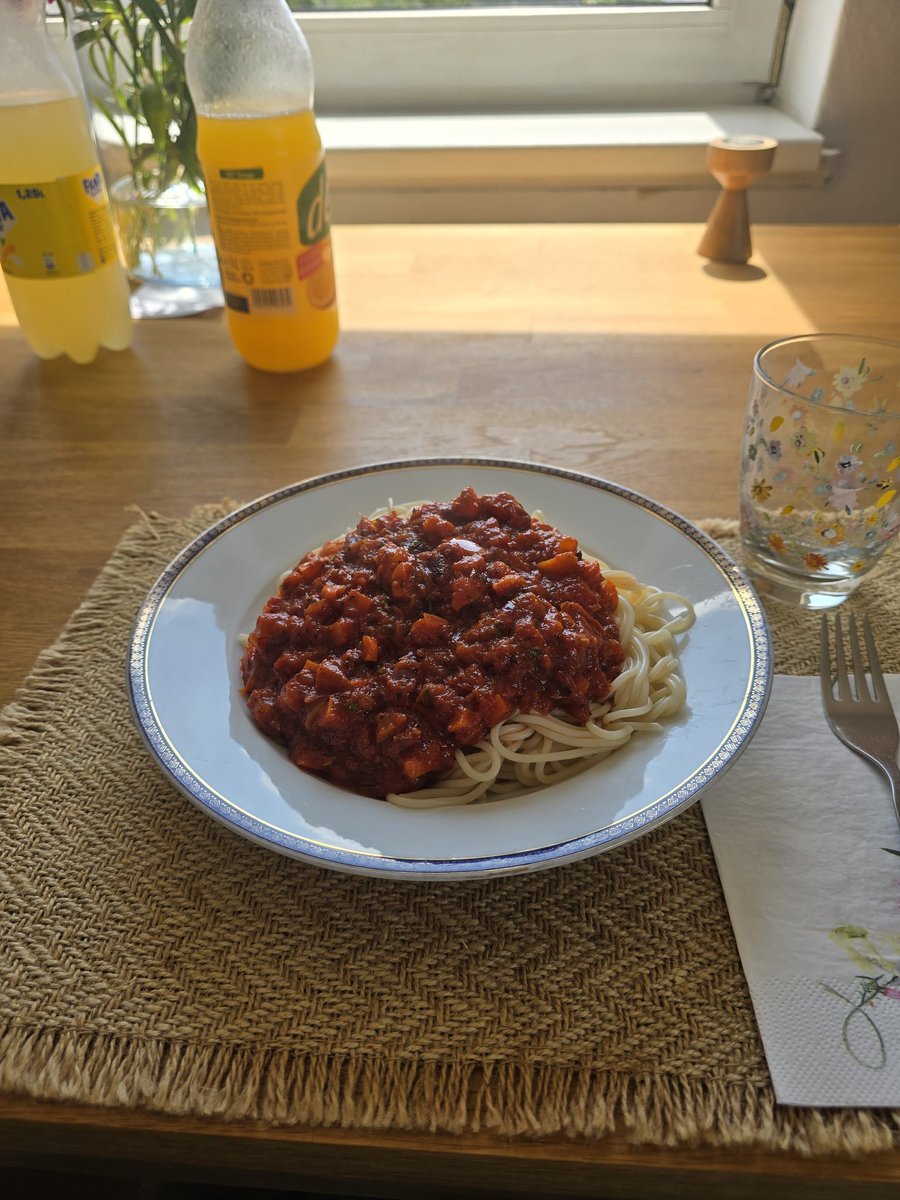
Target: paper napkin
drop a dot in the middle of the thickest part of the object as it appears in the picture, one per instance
(801, 828)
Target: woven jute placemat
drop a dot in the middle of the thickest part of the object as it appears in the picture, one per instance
(151, 958)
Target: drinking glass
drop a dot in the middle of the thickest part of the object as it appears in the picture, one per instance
(820, 467)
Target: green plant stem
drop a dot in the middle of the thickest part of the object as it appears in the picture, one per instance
(130, 29)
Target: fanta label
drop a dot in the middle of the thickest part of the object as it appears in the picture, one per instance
(56, 228)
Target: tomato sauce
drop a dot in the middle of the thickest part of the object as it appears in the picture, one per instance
(388, 649)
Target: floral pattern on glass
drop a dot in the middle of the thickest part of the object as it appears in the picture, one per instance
(819, 480)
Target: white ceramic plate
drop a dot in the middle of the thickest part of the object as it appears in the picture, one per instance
(184, 677)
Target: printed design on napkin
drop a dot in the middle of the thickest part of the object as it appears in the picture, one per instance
(877, 955)
(799, 827)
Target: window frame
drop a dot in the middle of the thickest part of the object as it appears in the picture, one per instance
(542, 59)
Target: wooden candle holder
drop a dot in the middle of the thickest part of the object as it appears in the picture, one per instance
(736, 162)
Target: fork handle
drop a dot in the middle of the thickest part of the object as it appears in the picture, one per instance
(892, 771)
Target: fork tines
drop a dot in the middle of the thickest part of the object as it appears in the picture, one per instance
(875, 690)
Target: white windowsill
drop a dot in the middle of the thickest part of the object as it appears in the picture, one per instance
(578, 150)
(518, 151)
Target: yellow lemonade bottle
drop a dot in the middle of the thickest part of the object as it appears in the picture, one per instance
(250, 75)
(57, 245)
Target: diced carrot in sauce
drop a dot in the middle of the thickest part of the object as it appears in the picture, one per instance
(309, 569)
(466, 727)
(342, 631)
(419, 764)
(591, 572)
(357, 603)
(436, 529)
(466, 504)
(560, 564)
(368, 648)
(332, 716)
(464, 591)
(493, 709)
(507, 585)
(389, 723)
(428, 629)
(330, 677)
(311, 759)
(401, 581)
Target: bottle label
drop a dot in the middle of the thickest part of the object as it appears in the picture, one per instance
(272, 235)
(56, 228)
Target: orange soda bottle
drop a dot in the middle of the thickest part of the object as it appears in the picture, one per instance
(250, 75)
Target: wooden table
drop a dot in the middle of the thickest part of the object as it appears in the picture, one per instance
(609, 349)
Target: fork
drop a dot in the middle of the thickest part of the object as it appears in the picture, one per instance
(860, 716)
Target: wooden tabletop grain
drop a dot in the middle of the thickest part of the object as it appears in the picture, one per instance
(613, 350)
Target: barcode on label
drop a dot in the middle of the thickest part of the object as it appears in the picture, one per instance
(282, 297)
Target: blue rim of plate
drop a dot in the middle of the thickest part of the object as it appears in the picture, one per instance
(557, 853)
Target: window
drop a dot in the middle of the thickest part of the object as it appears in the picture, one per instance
(426, 56)
(357, 5)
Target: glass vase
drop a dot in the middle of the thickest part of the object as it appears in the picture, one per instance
(165, 235)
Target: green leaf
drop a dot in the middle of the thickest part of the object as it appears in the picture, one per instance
(148, 46)
(155, 107)
(87, 37)
(186, 144)
(153, 12)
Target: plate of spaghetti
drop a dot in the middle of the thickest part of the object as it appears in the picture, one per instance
(448, 668)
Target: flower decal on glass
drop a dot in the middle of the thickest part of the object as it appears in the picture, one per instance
(846, 463)
(798, 375)
(761, 490)
(849, 380)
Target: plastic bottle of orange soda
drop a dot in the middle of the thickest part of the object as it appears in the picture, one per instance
(250, 74)
(57, 243)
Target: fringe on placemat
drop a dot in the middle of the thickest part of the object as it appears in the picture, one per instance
(56, 665)
(283, 1087)
(719, 527)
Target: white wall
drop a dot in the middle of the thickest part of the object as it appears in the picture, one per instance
(858, 113)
